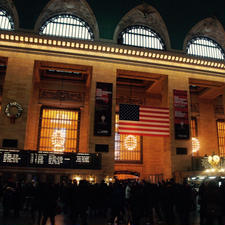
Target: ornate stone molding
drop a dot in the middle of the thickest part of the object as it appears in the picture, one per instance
(10, 8)
(129, 100)
(144, 14)
(61, 95)
(209, 27)
(78, 8)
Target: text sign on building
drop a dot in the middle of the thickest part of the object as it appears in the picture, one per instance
(181, 121)
(22, 158)
(103, 109)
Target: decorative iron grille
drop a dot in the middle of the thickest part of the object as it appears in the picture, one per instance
(6, 22)
(141, 36)
(221, 136)
(205, 47)
(127, 147)
(59, 130)
(67, 26)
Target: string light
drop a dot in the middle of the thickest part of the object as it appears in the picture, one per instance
(130, 142)
(58, 139)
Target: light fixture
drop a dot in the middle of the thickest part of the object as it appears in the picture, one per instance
(213, 164)
(195, 144)
(108, 180)
(214, 160)
(130, 142)
(77, 178)
(58, 139)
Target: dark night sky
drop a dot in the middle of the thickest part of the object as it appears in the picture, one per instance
(179, 16)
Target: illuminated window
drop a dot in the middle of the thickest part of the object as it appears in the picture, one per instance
(67, 26)
(59, 130)
(194, 131)
(205, 47)
(6, 22)
(141, 36)
(127, 147)
(221, 136)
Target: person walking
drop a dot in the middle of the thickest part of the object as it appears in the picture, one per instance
(49, 203)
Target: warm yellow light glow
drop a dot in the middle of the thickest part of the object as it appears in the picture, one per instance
(130, 151)
(123, 50)
(214, 160)
(130, 142)
(77, 178)
(58, 140)
(59, 129)
(108, 179)
(195, 144)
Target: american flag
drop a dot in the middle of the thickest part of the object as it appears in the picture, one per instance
(144, 121)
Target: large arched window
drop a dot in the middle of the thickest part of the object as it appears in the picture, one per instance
(205, 47)
(6, 22)
(141, 36)
(67, 26)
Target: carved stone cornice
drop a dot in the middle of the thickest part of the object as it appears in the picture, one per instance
(129, 100)
(61, 95)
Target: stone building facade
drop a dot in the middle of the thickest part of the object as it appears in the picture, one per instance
(60, 73)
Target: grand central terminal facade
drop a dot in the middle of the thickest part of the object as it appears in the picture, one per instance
(60, 98)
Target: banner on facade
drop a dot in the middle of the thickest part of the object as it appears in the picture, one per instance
(181, 122)
(103, 109)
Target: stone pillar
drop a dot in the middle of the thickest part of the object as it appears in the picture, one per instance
(179, 162)
(106, 74)
(207, 128)
(18, 88)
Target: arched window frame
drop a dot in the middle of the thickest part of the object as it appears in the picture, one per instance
(210, 53)
(75, 20)
(8, 18)
(158, 46)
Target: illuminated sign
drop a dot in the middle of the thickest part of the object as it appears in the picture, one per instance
(22, 158)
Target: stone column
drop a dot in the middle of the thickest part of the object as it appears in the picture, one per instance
(17, 87)
(106, 74)
(179, 162)
(207, 128)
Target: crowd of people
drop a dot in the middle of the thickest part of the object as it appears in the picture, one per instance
(121, 202)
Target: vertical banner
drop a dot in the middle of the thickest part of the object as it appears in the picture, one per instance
(103, 109)
(181, 122)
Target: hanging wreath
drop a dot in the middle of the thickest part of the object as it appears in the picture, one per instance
(9, 112)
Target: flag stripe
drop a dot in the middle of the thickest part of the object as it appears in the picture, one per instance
(144, 128)
(151, 121)
(142, 124)
(146, 133)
